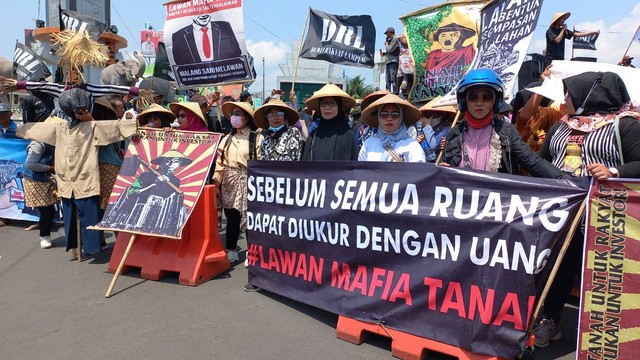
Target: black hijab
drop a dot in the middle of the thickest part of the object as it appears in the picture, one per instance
(333, 139)
(597, 92)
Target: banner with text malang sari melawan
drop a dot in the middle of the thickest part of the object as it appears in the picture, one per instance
(443, 41)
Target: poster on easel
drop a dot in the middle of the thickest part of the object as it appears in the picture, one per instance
(160, 181)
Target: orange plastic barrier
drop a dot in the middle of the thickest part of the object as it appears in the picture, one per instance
(403, 345)
(198, 257)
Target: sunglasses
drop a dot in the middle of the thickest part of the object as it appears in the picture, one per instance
(328, 104)
(385, 114)
(273, 115)
(480, 96)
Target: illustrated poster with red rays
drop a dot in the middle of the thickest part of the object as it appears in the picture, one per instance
(160, 181)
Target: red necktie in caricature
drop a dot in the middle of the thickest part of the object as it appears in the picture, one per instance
(206, 44)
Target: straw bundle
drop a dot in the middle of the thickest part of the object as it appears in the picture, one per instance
(7, 85)
(78, 49)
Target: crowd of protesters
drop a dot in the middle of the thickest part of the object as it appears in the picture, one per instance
(594, 133)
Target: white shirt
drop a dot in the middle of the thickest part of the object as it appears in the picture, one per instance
(408, 149)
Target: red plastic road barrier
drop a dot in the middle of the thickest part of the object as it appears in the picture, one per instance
(403, 345)
(198, 257)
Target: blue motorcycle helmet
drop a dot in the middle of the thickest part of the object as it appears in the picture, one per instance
(484, 78)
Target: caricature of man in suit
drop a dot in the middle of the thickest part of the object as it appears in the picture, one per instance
(190, 43)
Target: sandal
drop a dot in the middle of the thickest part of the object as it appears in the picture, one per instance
(32, 227)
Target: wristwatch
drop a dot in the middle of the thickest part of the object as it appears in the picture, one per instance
(614, 172)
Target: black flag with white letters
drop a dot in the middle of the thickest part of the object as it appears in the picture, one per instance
(340, 39)
(71, 20)
(27, 66)
(587, 42)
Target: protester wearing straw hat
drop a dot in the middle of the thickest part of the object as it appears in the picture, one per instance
(282, 140)
(156, 116)
(556, 35)
(333, 139)
(365, 131)
(436, 122)
(189, 116)
(391, 115)
(236, 149)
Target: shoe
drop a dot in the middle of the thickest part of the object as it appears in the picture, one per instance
(546, 331)
(246, 263)
(32, 227)
(232, 255)
(251, 288)
(45, 242)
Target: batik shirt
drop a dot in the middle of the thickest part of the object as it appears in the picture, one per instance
(283, 145)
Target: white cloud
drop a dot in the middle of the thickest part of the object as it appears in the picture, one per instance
(611, 44)
(273, 54)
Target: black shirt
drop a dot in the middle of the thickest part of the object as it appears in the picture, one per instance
(555, 50)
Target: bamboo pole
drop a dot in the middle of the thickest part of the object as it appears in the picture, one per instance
(441, 153)
(556, 266)
(630, 42)
(295, 71)
(132, 239)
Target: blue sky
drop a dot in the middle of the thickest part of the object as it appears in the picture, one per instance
(272, 26)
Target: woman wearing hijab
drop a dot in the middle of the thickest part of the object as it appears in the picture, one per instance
(436, 122)
(189, 116)
(235, 150)
(391, 115)
(484, 141)
(333, 139)
(156, 116)
(282, 140)
(584, 143)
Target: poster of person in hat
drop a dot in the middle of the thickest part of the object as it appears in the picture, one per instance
(443, 41)
(160, 180)
(451, 51)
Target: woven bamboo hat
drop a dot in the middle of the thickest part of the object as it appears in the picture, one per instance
(330, 90)
(410, 114)
(155, 108)
(260, 115)
(369, 99)
(559, 15)
(191, 106)
(432, 105)
(229, 105)
(172, 154)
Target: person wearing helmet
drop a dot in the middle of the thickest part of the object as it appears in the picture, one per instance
(481, 140)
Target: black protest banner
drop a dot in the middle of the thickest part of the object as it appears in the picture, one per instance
(446, 254)
(339, 39)
(71, 20)
(27, 66)
(587, 42)
(162, 68)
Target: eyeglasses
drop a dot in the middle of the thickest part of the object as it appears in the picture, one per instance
(385, 114)
(328, 104)
(237, 113)
(273, 115)
(181, 115)
(480, 96)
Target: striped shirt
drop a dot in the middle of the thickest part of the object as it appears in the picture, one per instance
(599, 146)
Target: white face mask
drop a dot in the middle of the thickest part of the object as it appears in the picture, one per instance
(236, 121)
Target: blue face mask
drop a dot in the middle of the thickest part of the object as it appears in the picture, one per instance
(275, 129)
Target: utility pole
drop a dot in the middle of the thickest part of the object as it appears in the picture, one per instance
(263, 79)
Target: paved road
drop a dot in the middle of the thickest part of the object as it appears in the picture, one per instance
(54, 308)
